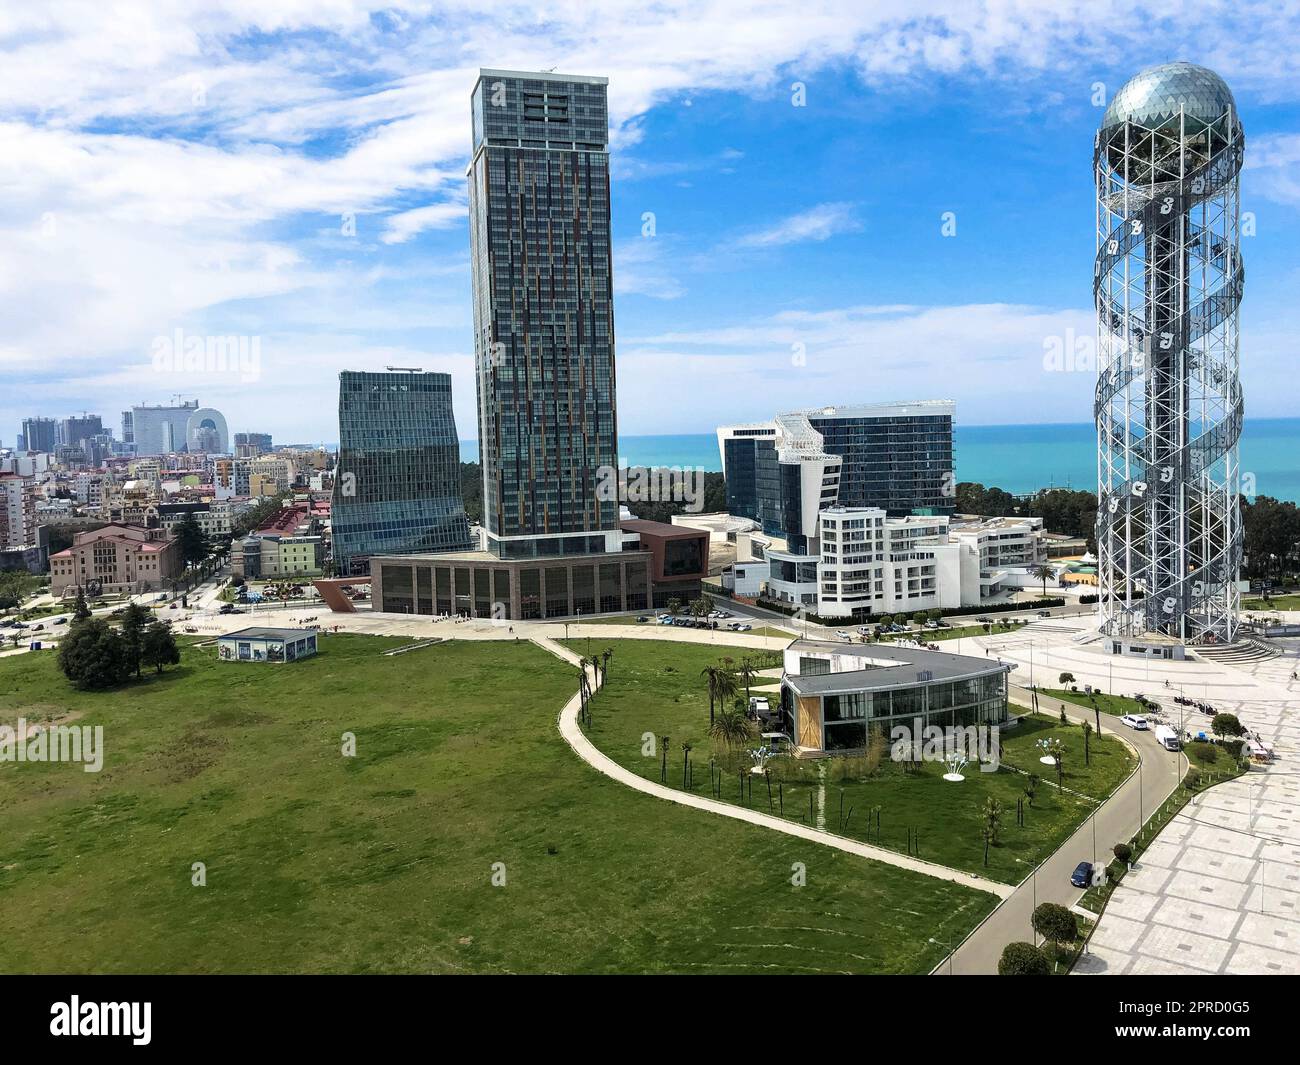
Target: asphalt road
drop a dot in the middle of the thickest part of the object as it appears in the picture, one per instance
(1116, 820)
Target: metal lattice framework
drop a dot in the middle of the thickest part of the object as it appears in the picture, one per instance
(1167, 282)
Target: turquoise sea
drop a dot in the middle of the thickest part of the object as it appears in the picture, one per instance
(1018, 458)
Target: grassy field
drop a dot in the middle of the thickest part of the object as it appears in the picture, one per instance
(656, 688)
(757, 630)
(1277, 602)
(1115, 705)
(383, 862)
(958, 632)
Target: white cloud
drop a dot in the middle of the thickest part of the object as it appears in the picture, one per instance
(165, 162)
(401, 227)
(815, 224)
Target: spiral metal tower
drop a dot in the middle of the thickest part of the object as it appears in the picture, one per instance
(1167, 281)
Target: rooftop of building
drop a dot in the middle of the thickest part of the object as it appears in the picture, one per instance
(884, 666)
(539, 75)
(144, 539)
(258, 632)
(285, 520)
(896, 409)
(978, 524)
(661, 529)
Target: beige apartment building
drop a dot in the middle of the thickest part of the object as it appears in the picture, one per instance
(116, 558)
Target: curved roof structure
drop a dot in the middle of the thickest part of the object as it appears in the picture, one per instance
(1156, 96)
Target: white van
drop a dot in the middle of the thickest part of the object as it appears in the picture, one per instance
(1168, 738)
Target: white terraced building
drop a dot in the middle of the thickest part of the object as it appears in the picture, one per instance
(861, 561)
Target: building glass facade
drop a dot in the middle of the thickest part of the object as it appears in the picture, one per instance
(397, 484)
(895, 456)
(543, 309)
(901, 462)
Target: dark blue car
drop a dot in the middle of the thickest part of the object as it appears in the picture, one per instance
(1082, 875)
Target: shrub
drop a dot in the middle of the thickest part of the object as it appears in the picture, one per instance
(1023, 959)
(1202, 752)
(1123, 852)
(1233, 748)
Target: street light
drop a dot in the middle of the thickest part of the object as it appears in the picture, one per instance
(947, 946)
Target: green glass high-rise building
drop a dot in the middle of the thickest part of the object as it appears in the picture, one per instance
(397, 482)
(542, 279)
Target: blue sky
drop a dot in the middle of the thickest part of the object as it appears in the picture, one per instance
(188, 167)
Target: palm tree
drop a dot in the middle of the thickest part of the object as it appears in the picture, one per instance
(1042, 572)
(674, 607)
(584, 684)
(992, 822)
(732, 728)
(721, 684)
(746, 675)
(605, 656)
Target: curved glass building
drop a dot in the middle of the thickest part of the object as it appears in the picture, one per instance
(397, 483)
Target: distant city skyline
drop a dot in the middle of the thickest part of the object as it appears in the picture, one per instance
(779, 210)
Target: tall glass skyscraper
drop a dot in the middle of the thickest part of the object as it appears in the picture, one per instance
(397, 483)
(543, 313)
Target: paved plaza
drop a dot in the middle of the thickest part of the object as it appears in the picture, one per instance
(1219, 890)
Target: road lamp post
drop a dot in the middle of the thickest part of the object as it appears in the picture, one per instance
(947, 946)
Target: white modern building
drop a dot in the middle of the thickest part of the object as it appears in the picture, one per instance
(165, 428)
(861, 561)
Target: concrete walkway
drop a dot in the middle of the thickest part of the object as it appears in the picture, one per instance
(602, 763)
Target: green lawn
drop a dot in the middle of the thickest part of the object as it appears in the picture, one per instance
(757, 630)
(1277, 602)
(952, 633)
(382, 863)
(1116, 705)
(655, 687)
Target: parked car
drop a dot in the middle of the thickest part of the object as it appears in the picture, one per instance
(864, 630)
(60, 621)
(843, 635)
(1134, 721)
(1044, 613)
(1082, 875)
(743, 628)
(643, 618)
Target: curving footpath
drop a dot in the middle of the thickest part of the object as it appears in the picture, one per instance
(602, 763)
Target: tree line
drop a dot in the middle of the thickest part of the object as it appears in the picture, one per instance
(95, 655)
(1271, 527)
